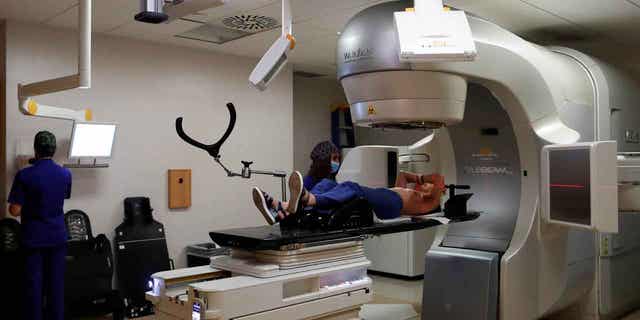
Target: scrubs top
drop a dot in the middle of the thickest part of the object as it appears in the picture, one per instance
(309, 182)
(41, 190)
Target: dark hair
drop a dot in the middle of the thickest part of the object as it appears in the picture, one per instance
(321, 157)
(321, 169)
(44, 144)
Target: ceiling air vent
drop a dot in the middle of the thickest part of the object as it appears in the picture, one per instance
(250, 23)
(230, 28)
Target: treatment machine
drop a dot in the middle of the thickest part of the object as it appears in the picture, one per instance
(542, 136)
(499, 119)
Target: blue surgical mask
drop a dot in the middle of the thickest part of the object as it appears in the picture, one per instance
(335, 166)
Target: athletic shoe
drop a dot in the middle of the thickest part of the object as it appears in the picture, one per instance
(296, 188)
(263, 203)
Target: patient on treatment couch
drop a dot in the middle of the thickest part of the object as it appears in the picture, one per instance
(387, 203)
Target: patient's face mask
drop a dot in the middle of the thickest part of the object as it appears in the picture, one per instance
(335, 166)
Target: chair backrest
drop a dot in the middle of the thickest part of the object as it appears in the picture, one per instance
(78, 225)
(10, 239)
(137, 210)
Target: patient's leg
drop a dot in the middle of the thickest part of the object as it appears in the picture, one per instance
(330, 199)
(268, 206)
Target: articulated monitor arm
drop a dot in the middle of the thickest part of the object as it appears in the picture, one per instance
(214, 151)
(28, 106)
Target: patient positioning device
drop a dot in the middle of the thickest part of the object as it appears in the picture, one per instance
(275, 272)
(311, 265)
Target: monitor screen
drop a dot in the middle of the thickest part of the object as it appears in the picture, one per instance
(92, 140)
(569, 186)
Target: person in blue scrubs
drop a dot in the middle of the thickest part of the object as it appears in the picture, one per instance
(325, 164)
(37, 196)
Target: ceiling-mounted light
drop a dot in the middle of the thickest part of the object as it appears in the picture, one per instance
(82, 79)
(158, 11)
(151, 11)
(276, 57)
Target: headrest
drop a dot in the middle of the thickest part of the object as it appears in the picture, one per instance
(78, 225)
(10, 240)
(137, 210)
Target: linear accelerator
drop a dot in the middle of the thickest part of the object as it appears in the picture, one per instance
(503, 122)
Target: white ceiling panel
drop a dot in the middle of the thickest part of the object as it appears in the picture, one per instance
(610, 18)
(237, 6)
(37, 11)
(307, 9)
(335, 22)
(107, 15)
(514, 15)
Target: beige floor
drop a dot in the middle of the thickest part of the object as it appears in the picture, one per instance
(395, 291)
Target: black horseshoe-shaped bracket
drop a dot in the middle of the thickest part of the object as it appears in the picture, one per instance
(212, 149)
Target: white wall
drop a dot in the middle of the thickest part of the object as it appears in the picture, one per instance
(144, 87)
(312, 98)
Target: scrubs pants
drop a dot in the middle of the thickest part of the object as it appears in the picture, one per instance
(386, 203)
(45, 282)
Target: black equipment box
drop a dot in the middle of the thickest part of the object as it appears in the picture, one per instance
(141, 250)
(11, 268)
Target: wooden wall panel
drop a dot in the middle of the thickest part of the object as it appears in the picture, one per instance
(179, 188)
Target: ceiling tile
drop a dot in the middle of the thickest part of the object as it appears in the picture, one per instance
(511, 14)
(612, 18)
(107, 15)
(33, 10)
(139, 29)
(237, 6)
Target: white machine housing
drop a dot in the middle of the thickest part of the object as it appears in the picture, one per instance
(583, 179)
(429, 33)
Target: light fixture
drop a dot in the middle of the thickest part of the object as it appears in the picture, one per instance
(276, 57)
(82, 79)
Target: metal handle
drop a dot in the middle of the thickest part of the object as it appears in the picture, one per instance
(453, 187)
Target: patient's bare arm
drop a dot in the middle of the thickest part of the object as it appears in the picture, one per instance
(419, 203)
(405, 178)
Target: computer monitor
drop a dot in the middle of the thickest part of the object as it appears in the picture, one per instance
(92, 140)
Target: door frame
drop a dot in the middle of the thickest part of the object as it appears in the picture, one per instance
(3, 116)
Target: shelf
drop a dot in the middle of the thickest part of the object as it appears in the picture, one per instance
(86, 165)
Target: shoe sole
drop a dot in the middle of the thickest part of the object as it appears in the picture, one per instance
(261, 204)
(295, 187)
